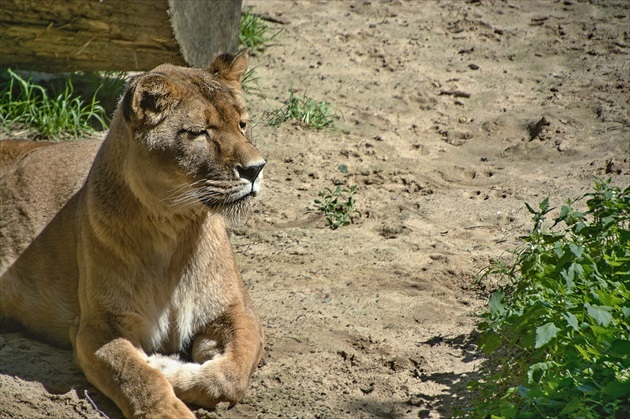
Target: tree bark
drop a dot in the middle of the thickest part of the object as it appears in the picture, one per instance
(118, 35)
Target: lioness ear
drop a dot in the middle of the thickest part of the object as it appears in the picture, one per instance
(231, 68)
(149, 98)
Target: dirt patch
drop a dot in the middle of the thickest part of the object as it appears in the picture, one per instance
(439, 103)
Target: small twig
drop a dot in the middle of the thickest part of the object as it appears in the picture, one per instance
(456, 93)
(475, 226)
(273, 20)
(85, 45)
(87, 396)
(466, 50)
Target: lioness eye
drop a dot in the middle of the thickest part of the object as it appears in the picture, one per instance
(243, 125)
(194, 133)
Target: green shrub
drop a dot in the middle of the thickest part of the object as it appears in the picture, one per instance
(558, 331)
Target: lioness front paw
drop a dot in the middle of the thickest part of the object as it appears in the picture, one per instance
(175, 409)
(176, 371)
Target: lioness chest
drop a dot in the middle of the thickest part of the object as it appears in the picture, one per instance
(174, 287)
(171, 327)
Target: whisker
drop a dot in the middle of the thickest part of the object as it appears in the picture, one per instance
(217, 194)
(177, 190)
(185, 199)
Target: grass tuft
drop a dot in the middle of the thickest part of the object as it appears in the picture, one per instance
(23, 102)
(304, 110)
(250, 81)
(254, 32)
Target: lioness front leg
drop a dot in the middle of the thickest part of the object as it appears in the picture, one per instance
(225, 355)
(121, 372)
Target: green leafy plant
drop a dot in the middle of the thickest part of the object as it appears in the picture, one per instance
(25, 103)
(337, 206)
(106, 86)
(254, 32)
(305, 110)
(558, 330)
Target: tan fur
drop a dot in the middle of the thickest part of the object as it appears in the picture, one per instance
(135, 266)
(13, 151)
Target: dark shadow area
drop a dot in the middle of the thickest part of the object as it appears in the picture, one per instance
(34, 361)
(380, 409)
(465, 343)
(458, 397)
(455, 400)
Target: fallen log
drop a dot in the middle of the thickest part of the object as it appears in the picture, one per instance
(117, 35)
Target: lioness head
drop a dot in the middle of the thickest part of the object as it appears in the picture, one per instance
(190, 138)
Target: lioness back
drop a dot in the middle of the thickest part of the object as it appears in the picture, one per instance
(32, 192)
(37, 180)
(13, 151)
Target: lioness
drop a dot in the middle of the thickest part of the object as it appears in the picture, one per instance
(137, 264)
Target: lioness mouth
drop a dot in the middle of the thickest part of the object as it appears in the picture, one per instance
(228, 201)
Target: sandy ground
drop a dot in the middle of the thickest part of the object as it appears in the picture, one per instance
(438, 104)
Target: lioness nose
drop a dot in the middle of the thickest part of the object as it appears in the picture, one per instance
(250, 172)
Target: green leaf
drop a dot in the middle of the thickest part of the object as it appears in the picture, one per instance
(574, 271)
(564, 211)
(530, 209)
(576, 250)
(571, 406)
(585, 354)
(537, 371)
(578, 270)
(572, 321)
(568, 276)
(579, 227)
(620, 347)
(558, 250)
(507, 410)
(586, 388)
(497, 306)
(609, 299)
(489, 342)
(608, 220)
(601, 314)
(545, 333)
(616, 389)
(528, 340)
(544, 205)
(343, 168)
